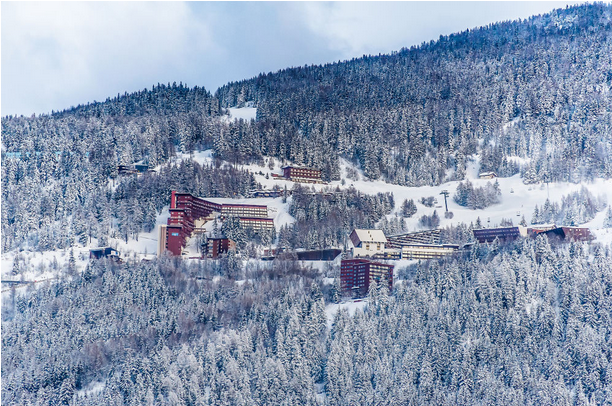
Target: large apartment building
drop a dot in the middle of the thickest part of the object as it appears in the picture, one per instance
(188, 212)
(299, 174)
(356, 275)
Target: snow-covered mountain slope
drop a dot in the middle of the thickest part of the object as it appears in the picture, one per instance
(517, 200)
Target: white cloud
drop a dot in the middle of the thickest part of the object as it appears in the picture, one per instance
(63, 53)
(60, 54)
(357, 28)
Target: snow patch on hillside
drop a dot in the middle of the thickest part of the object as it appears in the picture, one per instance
(352, 306)
(245, 113)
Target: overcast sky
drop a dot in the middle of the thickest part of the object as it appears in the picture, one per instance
(56, 55)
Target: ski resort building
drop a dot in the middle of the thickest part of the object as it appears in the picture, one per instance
(368, 243)
(570, 234)
(328, 254)
(420, 237)
(551, 231)
(214, 247)
(256, 223)
(427, 251)
(501, 233)
(356, 275)
(189, 213)
(244, 210)
(539, 229)
(304, 175)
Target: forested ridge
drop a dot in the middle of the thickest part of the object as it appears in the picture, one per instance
(524, 324)
(413, 117)
(530, 96)
(518, 323)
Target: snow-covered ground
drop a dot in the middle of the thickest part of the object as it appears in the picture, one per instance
(245, 113)
(351, 307)
(518, 200)
(41, 265)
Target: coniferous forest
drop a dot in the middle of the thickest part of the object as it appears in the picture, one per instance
(524, 324)
(537, 88)
(527, 322)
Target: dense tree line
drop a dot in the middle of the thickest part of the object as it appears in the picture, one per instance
(521, 324)
(479, 197)
(535, 89)
(576, 208)
(70, 211)
(325, 219)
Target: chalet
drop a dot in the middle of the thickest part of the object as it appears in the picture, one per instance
(299, 174)
(214, 247)
(141, 168)
(123, 170)
(487, 175)
(501, 233)
(356, 275)
(367, 243)
(134, 169)
(427, 251)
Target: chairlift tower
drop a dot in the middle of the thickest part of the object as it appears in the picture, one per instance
(445, 193)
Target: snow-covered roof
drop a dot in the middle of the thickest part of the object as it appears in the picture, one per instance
(300, 167)
(369, 235)
(481, 174)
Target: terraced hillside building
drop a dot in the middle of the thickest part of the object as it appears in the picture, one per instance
(188, 214)
(420, 237)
